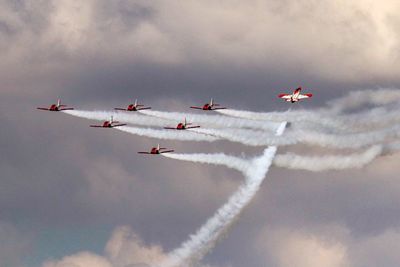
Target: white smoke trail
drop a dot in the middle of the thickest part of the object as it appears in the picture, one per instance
(310, 134)
(247, 137)
(329, 116)
(357, 140)
(135, 118)
(181, 135)
(327, 162)
(213, 120)
(357, 99)
(313, 137)
(373, 118)
(335, 162)
(289, 115)
(232, 162)
(205, 238)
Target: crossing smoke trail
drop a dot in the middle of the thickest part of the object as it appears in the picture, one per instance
(206, 237)
(310, 134)
(301, 119)
(327, 127)
(167, 134)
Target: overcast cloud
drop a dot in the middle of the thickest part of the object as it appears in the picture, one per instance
(70, 194)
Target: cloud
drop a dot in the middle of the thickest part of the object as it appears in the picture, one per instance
(235, 51)
(124, 249)
(377, 250)
(287, 247)
(360, 37)
(331, 245)
(82, 259)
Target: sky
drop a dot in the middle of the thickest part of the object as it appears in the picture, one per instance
(69, 193)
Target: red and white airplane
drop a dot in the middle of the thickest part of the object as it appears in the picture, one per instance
(109, 124)
(295, 96)
(209, 106)
(56, 107)
(133, 107)
(157, 150)
(182, 126)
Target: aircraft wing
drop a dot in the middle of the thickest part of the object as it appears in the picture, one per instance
(170, 128)
(196, 107)
(124, 109)
(66, 109)
(96, 126)
(167, 151)
(43, 108)
(121, 124)
(285, 96)
(304, 96)
(191, 127)
(143, 108)
(218, 108)
(147, 153)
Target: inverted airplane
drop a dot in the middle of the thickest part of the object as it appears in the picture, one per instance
(295, 96)
(56, 107)
(109, 124)
(209, 106)
(134, 107)
(182, 126)
(157, 150)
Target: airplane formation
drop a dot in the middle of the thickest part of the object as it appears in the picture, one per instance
(294, 97)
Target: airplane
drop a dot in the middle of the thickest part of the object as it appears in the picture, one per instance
(209, 106)
(157, 150)
(295, 96)
(109, 124)
(182, 126)
(56, 107)
(133, 107)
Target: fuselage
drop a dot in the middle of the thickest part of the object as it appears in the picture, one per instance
(154, 150)
(181, 126)
(107, 124)
(207, 107)
(131, 107)
(292, 99)
(54, 107)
